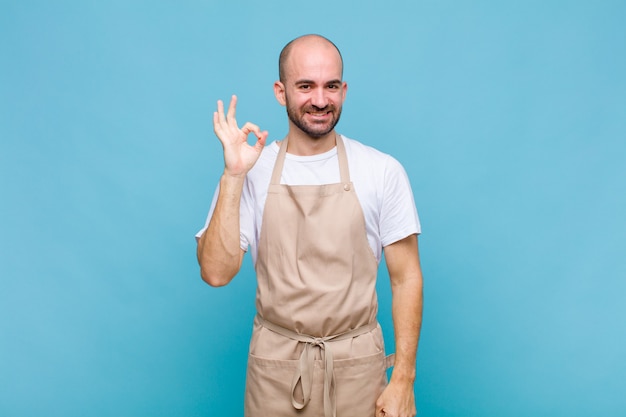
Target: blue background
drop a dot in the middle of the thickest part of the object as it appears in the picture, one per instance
(509, 117)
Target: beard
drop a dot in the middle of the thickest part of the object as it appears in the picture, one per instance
(314, 130)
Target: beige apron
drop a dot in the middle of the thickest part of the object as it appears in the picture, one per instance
(316, 348)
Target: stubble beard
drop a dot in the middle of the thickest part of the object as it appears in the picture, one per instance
(313, 130)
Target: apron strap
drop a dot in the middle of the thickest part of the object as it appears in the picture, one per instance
(344, 172)
(280, 160)
(304, 373)
(390, 360)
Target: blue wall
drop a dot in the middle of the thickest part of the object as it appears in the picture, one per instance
(510, 118)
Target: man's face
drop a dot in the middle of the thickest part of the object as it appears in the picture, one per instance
(313, 89)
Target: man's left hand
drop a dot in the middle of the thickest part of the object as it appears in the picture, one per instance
(397, 400)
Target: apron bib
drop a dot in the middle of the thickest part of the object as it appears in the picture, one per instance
(316, 348)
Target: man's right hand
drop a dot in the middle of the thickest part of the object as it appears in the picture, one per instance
(239, 156)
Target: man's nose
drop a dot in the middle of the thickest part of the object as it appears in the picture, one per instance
(319, 99)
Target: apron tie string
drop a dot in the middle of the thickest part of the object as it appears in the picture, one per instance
(304, 373)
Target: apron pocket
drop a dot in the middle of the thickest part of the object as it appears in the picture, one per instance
(268, 389)
(360, 381)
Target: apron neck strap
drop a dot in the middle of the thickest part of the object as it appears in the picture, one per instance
(344, 173)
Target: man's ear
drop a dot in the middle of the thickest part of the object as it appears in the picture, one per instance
(279, 92)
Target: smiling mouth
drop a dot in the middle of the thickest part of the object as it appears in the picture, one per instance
(319, 113)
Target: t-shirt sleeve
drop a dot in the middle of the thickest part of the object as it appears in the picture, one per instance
(246, 217)
(208, 218)
(398, 214)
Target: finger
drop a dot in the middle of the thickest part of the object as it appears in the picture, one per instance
(220, 111)
(232, 108)
(216, 121)
(251, 128)
(261, 139)
(218, 126)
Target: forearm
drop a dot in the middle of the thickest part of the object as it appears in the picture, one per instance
(407, 318)
(402, 257)
(219, 251)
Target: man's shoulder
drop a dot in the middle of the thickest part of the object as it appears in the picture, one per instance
(265, 163)
(270, 150)
(367, 155)
(356, 147)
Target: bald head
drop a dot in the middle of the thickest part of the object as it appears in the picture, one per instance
(306, 40)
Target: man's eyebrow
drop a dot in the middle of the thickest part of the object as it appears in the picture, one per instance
(299, 82)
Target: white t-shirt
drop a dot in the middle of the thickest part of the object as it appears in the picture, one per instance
(380, 182)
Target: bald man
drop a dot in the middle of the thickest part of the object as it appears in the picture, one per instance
(317, 210)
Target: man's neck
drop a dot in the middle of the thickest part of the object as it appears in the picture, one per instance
(302, 144)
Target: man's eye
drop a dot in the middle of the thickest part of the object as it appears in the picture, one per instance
(305, 87)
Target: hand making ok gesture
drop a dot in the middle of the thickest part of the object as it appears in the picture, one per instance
(239, 156)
